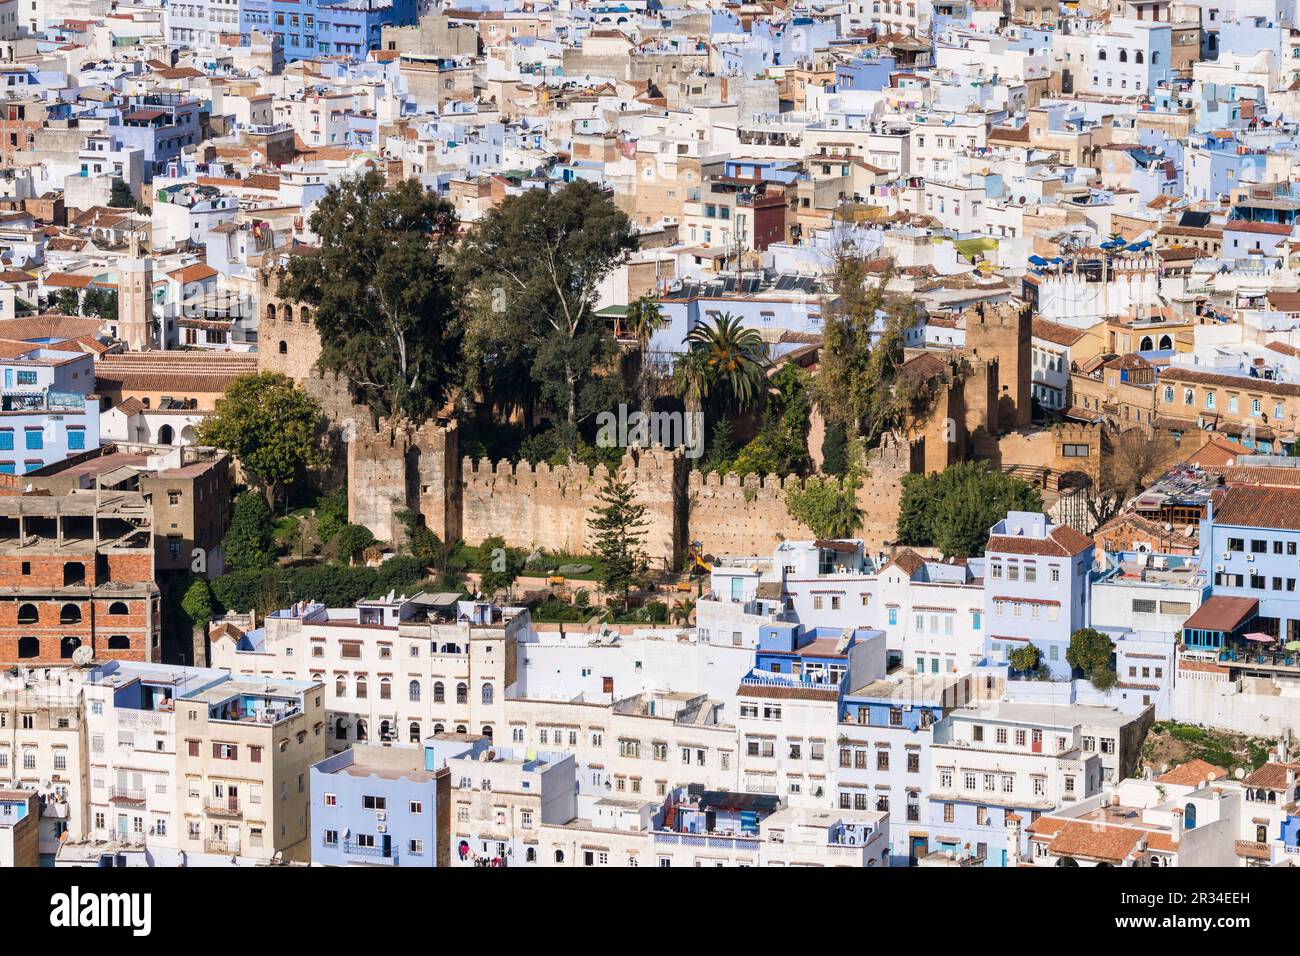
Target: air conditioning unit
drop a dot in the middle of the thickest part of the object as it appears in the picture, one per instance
(381, 815)
(1218, 567)
(1250, 558)
(1227, 556)
(382, 828)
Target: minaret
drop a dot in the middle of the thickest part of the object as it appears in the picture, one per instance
(135, 298)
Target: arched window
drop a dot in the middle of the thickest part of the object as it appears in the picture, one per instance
(385, 689)
(415, 732)
(1155, 57)
(1166, 343)
(340, 686)
(1189, 816)
(70, 614)
(487, 731)
(74, 572)
(1261, 833)
(27, 614)
(1101, 54)
(559, 856)
(1123, 56)
(530, 855)
(462, 693)
(117, 607)
(270, 311)
(304, 315)
(462, 729)
(362, 690)
(29, 647)
(67, 646)
(1146, 344)
(284, 347)
(1169, 393)
(361, 729)
(413, 690)
(288, 313)
(487, 694)
(1138, 57)
(340, 729)
(437, 728)
(119, 642)
(385, 730)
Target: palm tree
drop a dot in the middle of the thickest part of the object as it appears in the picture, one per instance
(643, 320)
(725, 362)
(681, 613)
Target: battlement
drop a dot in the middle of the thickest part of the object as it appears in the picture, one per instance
(765, 485)
(1077, 432)
(1002, 314)
(644, 464)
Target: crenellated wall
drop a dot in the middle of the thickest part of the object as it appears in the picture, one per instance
(545, 506)
(396, 465)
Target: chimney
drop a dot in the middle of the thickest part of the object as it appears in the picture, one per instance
(1013, 838)
(1178, 825)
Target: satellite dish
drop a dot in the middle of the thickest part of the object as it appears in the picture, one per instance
(83, 655)
(1239, 772)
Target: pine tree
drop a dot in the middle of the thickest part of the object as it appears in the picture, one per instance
(618, 526)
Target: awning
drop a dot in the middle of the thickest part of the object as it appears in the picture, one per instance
(1260, 637)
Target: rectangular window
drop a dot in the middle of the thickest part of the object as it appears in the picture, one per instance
(76, 439)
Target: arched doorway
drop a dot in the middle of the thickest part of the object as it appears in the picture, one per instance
(165, 435)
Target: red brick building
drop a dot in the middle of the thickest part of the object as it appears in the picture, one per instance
(77, 570)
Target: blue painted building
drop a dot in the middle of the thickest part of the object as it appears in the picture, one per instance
(838, 657)
(379, 806)
(161, 124)
(1250, 549)
(308, 28)
(883, 759)
(48, 409)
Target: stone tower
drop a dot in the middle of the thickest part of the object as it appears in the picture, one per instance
(1005, 332)
(135, 298)
(287, 341)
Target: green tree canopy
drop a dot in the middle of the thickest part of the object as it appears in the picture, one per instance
(835, 449)
(497, 565)
(352, 540)
(1090, 651)
(248, 545)
(382, 300)
(1025, 659)
(954, 509)
(781, 445)
(532, 267)
(828, 506)
(196, 601)
(270, 426)
(120, 196)
(863, 334)
(618, 526)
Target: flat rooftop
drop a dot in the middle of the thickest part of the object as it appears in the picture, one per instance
(1046, 715)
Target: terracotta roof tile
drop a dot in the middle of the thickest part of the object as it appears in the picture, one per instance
(1192, 773)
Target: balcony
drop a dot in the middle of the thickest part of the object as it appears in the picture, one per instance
(371, 854)
(222, 847)
(222, 806)
(126, 796)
